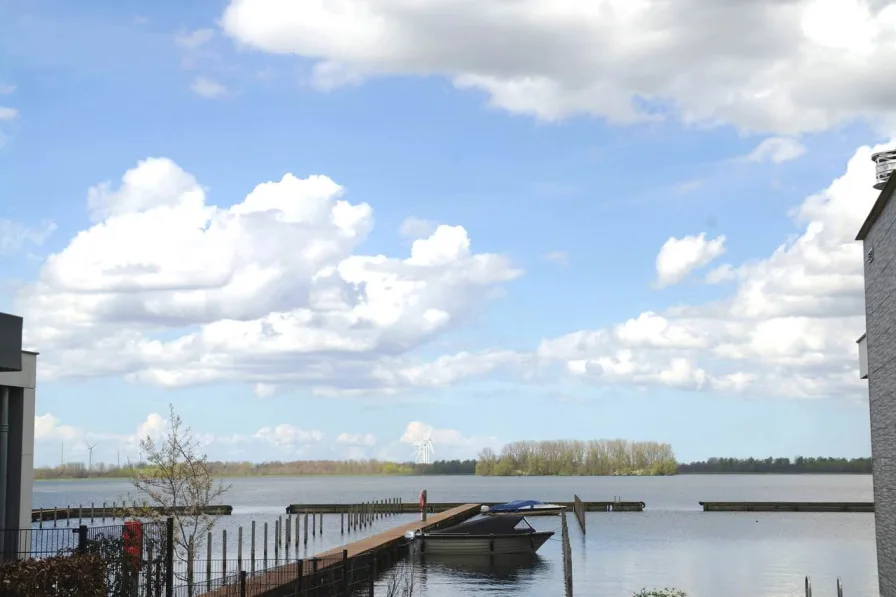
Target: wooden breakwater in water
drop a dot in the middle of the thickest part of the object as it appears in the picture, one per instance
(787, 506)
(114, 511)
(401, 507)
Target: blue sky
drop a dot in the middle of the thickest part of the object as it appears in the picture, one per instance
(657, 249)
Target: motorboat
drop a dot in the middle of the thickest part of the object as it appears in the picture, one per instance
(526, 507)
(511, 534)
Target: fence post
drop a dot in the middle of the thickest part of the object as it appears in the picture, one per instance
(372, 585)
(243, 575)
(169, 557)
(300, 575)
(82, 538)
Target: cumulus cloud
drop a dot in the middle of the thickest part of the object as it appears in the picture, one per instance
(776, 150)
(267, 290)
(678, 257)
(209, 88)
(416, 227)
(417, 431)
(15, 236)
(361, 439)
(766, 65)
(265, 390)
(788, 329)
(558, 257)
(7, 113)
(194, 39)
(287, 436)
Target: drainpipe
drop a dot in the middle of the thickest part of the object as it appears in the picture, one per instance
(4, 452)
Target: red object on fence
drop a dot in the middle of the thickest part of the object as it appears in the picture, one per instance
(133, 541)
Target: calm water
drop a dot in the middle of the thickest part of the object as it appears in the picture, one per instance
(671, 544)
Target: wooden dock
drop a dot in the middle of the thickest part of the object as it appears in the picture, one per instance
(103, 511)
(281, 580)
(435, 507)
(787, 506)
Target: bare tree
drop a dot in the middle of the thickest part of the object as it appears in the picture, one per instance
(177, 482)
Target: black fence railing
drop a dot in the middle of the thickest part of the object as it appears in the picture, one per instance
(136, 556)
(337, 576)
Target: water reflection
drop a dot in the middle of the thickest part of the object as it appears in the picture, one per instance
(502, 569)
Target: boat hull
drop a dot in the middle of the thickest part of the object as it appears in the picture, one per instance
(484, 544)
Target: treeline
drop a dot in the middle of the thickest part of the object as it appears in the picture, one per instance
(574, 457)
(778, 465)
(254, 469)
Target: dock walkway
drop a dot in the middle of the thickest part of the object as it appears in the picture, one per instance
(266, 583)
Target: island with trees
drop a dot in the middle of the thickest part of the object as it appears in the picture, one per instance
(520, 458)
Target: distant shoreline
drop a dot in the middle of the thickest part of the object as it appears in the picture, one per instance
(285, 475)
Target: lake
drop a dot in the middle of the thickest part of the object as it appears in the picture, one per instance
(671, 544)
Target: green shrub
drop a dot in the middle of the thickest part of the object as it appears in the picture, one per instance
(660, 593)
(58, 576)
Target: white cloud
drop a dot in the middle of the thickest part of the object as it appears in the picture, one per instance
(417, 431)
(365, 439)
(288, 437)
(788, 329)
(265, 390)
(194, 39)
(48, 427)
(765, 65)
(416, 227)
(234, 305)
(208, 88)
(776, 150)
(8, 113)
(558, 257)
(16, 235)
(6, 88)
(678, 257)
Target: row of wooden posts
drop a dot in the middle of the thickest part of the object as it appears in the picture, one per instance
(287, 532)
(91, 513)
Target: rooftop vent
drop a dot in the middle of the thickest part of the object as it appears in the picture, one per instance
(886, 163)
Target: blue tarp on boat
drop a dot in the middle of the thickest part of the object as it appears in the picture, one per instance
(514, 506)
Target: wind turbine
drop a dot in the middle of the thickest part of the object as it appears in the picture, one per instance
(424, 450)
(90, 457)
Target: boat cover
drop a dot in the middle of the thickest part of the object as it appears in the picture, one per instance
(492, 525)
(514, 505)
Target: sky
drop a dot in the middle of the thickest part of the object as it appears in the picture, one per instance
(329, 230)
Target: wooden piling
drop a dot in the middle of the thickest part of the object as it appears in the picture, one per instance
(579, 510)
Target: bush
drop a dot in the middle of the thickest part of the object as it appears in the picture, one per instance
(58, 576)
(660, 593)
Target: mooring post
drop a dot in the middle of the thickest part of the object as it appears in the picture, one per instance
(276, 542)
(321, 529)
(252, 547)
(288, 530)
(305, 536)
(239, 549)
(296, 540)
(224, 554)
(264, 547)
(423, 503)
(300, 575)
(208, 562)
(341, 522)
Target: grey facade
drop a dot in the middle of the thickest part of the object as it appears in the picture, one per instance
(18, 376)
(879, 250)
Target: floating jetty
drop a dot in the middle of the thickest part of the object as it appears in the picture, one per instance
(103, 511)
(401, 507)
(282, 580)
(787, 506)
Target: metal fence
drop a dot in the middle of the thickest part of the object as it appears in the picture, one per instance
(137, 556)
(334, 576)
